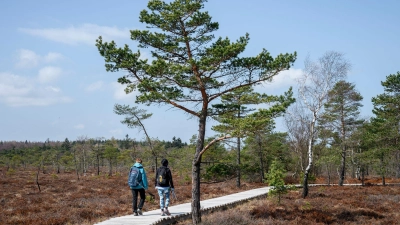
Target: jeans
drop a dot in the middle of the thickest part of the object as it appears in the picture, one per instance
(164, 202)
(135, 198)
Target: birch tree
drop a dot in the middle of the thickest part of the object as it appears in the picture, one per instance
(314, 85)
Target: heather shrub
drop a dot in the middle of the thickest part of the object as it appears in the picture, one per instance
(228, 218)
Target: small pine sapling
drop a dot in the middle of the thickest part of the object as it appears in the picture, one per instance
(275, 178)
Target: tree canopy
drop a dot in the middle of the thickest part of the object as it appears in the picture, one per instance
(190, 68)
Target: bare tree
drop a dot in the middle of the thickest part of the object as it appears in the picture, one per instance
(317, 79)
(97, 148)
(83, 147)
(296, 122)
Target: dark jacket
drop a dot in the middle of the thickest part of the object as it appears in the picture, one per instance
(169, 182)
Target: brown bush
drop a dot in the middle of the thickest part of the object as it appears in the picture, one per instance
(66, 200)
(325, 205)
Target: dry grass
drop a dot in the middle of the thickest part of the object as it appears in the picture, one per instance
(66, 200)
(325, 205)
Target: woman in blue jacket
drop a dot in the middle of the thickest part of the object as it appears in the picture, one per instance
(143, 185)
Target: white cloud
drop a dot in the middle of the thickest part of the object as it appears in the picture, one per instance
(287, 78)
(284, 79)
(24, 91)
(13, 85)
(52, 57)
(49, 74)
(95, 86)
(27, 58)
(74, 35)
(120, 94)
(53, 89)
(79, 126)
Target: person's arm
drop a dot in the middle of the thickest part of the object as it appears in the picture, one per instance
(155, 179)
(144, 179)
(170, 180)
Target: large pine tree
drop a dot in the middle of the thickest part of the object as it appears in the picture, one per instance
(341, 117)
(190, 68)
(387, 112)
(236, 119)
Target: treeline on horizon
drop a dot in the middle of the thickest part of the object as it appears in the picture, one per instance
(112, 157)
(83, 155)
(17, 145)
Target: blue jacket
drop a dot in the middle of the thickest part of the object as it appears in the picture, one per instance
(144, 183)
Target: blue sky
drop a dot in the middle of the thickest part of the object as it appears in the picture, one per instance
(53, 83)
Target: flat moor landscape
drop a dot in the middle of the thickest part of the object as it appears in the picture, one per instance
(64, 199)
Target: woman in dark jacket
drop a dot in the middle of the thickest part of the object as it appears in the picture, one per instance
(164, 186)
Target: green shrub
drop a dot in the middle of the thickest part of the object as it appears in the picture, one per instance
(219, 171)
(275, 179)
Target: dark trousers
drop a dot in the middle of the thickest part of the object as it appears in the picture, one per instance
(135, 198)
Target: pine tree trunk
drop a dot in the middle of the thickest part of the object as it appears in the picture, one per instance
(37, 177)
(98, 163)
(398, 164)
(196, 213)
(362, 175)
(195, 205)
(342, 167)
(383, 173)
(110, 169)
(261, 159)
(238, 164)
(329, 175)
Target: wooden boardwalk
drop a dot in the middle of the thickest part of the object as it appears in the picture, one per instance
(184, 210)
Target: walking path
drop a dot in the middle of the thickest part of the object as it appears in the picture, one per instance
(184, 210)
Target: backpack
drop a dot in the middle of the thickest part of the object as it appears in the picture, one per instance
(135, 177)
(162, 176)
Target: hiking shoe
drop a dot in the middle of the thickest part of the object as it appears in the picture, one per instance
(135, 214)
(140, 212)
(162, 213)
(167, 212)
